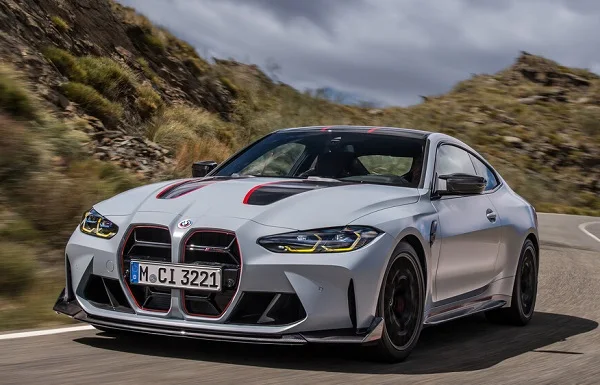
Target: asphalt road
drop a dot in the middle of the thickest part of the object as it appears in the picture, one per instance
(560, 346)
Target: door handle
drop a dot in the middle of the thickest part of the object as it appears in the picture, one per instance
(491, 215)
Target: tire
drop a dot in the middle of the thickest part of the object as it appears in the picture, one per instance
(401, 302)
(524, 292)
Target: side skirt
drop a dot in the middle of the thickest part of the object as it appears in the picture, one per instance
(456, 310)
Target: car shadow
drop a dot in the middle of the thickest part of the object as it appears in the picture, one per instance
(464, 345)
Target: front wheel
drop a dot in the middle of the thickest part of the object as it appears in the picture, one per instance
(524, 292)
(401, 302)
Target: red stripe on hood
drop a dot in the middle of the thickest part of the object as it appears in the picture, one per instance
(253, 189)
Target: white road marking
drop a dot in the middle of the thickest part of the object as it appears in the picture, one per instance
(583, 226)
(37, 333)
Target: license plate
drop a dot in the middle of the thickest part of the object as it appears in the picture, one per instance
(175, 276)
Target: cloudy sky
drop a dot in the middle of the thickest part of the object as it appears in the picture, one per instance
(390, 51)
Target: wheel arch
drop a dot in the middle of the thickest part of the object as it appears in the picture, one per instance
(416, 244)
(534, 239)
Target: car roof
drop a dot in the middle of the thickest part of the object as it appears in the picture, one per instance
(405, 132)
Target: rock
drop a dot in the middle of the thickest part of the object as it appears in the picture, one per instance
(375, 111)
(63, 102)
(507, 120)
(577, 80)
(583, 100)
(532, 99)
(513, 140)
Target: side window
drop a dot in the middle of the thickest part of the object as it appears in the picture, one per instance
(453, 160)
(484, 171)
(277, 162)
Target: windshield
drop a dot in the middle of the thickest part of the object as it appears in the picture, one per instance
(345, 156)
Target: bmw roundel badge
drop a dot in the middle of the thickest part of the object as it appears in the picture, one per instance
(184, 224)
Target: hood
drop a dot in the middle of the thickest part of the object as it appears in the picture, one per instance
(290, 203)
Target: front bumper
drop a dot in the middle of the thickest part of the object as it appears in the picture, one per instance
(347, 336)
(337, 292)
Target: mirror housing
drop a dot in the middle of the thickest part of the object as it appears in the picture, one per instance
(462, 184)
(201, 169)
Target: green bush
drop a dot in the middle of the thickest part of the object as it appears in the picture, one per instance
(148, 101)
(150, 74)
(108, 76)
(92, 101)
(154, 41)
(18, 156)
(15, 98)
(66, 63)
(18, 268)
(60, 23)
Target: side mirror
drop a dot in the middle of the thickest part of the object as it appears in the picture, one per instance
(201, 169)
(462, 184)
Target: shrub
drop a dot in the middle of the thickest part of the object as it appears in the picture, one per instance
(91, 101)
(18, 268)
(60, 23)
(66, 63)
(153, 41)
(197, 66)
(148, 101)
(199, 149)
(15, 98)
(107, 76)
(228, 84)
(180, 124)
(589, 121)
(17, 153)
(150, 74)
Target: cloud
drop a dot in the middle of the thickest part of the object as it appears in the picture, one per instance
(389, 50)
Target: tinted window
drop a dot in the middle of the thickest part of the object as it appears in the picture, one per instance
(348, 156)
(453, 160)
(486, 172)
(385, 164)
(276, 162)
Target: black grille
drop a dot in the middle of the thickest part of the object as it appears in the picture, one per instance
(258, 308)
(106, 293)
(148, 243)
(215, 248)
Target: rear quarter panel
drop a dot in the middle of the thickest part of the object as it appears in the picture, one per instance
(518, 221)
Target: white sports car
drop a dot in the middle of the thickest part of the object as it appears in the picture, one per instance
(342, 234)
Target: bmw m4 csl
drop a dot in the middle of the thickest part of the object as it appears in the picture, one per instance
(342, 234)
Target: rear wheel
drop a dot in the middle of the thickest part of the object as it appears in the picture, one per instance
(401, 303)
(524, 292)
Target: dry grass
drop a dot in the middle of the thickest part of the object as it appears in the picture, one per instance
(66, 63)
(200, 149)
(109, 77)
(18, 157)
(147, 101)
(181, 124)
(15, 98)
(60, 23)
(18, 268)
(92, 101)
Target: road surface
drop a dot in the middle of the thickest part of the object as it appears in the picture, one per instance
(560, 346)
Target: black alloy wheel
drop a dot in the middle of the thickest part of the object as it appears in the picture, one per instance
(524, 293)
(401, 304)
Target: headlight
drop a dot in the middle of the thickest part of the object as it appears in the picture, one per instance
(95, 224)
(333, 240)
